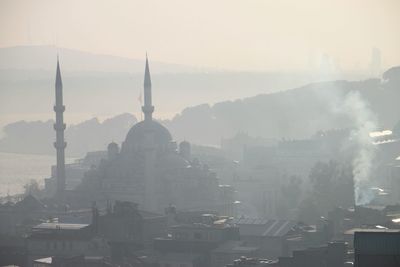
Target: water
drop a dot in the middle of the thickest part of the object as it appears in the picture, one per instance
(16, 170)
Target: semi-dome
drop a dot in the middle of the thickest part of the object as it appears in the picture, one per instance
(147, 131)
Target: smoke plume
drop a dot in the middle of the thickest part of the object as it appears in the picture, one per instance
(364, 122)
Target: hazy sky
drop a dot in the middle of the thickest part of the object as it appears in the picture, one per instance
(231, 34)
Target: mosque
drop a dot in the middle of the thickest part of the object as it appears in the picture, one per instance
(149, 169)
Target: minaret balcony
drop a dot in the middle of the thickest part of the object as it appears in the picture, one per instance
(59, 126)
(60, 145)
(148, 109)
(59, 108)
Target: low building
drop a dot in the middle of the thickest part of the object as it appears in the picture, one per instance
(252, 262)
(64, 240)
(194, 244)
(268, 235)
(75, 261)
(332, 255)
(128, 229)
(349, 235)
(231, 250)
(17, 219)
(12, 251)
(377, 248)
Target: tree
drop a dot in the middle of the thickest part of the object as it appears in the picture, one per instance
(332, 185)
(289, 197)
(32, 188)
(308, 211)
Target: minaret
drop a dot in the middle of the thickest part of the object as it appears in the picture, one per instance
(148, 108)
(59, 127)
(150, 202)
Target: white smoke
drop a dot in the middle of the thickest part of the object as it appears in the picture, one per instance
(364, 122)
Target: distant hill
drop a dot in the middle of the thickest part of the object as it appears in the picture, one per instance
(43, 58)
(101, 85)
(37, 137)
(296, 113)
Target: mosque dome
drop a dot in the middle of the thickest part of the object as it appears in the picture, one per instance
(147, 131)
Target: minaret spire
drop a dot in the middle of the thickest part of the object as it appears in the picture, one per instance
(148, 108)
(59, 127)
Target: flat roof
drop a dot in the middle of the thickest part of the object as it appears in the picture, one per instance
(371, 230)
(60, 226)
(47, 260)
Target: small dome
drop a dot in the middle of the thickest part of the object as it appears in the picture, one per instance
(112, 146)
(144, 132)
(112, 150)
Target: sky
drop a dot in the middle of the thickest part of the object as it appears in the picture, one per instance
(252, 35)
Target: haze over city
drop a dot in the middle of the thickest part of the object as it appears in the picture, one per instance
(307, 38)
(257, 35)
(200, 133)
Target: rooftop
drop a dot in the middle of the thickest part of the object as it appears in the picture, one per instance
(60, 226)
(61, 231)
(235, 247)
(47, 260)
(371, 230)
(263, 227)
